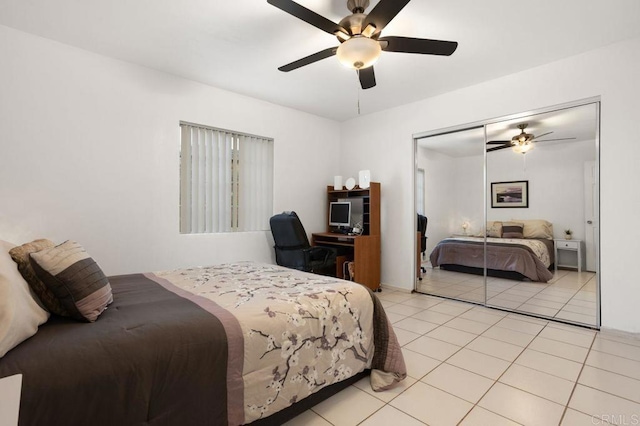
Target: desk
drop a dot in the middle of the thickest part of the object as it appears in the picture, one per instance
(364, 250)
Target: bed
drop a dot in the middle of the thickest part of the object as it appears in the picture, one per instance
(226, 344)
(529, 257)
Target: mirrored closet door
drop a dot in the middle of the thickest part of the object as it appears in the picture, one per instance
(450, 209)
(512, 208)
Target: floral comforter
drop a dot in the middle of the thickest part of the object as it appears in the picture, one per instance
(290, 333)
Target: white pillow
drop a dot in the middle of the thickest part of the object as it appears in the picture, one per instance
(494, 229)
(537, 228)
(20, 314)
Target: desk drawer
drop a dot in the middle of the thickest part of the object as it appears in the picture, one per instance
(568, 244)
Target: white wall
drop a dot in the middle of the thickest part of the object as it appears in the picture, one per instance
(556, 187)
(468, 175)
(436, 190)
(89, 151)
(453, 193)
(383, 143)
(556, 184)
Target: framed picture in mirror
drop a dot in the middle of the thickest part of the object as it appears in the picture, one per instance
(510, 194)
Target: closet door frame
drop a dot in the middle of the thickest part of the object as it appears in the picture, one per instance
(484, 123)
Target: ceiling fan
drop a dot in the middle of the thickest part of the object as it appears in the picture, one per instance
(522, 142)
(359, 37)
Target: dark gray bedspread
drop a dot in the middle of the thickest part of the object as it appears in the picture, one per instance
(151, 358)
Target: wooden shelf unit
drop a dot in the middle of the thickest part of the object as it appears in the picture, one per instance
(363, 250)
(371, 205)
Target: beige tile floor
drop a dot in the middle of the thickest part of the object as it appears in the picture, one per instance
(569, 295)
(470, 365)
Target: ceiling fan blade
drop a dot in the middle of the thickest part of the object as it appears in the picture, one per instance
(384, 12)
(307, 16)
(367, 77)
(497, 148)
(499, 142)
(544, 134)
(309, 59)
(551, 140)
(419, 45)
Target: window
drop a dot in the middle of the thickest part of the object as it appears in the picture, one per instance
(226, 180)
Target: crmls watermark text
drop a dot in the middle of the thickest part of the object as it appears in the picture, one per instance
(616, 419)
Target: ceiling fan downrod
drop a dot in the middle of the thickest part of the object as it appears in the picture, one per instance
(357, 6)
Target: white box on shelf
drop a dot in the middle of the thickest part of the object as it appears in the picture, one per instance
(337, 183)
(364, 179)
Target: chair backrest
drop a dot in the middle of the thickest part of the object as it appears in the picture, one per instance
(290, 240)
(422, 228)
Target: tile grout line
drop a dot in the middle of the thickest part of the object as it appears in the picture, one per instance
(389, 404)
(445, 361)
(477, 335)
(496, 381)
(573, 292)
(513, 310)
(511, 362)
(417, 380)
(572, 297)
(575, 385)
(566, 406)
(510, 365)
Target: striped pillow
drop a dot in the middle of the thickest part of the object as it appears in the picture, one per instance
(512, 230)
(75, 278)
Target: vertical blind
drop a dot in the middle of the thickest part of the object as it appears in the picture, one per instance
(226, 181)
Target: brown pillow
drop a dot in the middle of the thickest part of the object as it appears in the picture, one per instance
(512, 230)
(20, 255)
(75, 278)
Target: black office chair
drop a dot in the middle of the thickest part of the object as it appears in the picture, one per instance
(422, 228)
(293, 249)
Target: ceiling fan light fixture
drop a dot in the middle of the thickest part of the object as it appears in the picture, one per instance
(369, 30)
(359, 52)
(522, 148)
(521, 138)
(342, 36)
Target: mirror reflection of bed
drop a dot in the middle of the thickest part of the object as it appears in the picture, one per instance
(549, 189)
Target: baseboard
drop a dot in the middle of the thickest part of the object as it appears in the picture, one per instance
(394, 288)
(619, 333)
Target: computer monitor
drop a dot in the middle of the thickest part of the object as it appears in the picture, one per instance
(340, 213)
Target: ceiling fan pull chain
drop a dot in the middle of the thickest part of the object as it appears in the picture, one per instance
(359, 89)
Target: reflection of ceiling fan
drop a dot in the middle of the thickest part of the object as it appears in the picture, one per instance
(522, 142)
(359, 35)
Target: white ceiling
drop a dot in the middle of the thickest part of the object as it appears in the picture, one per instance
(577, 122)
(238, 44)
